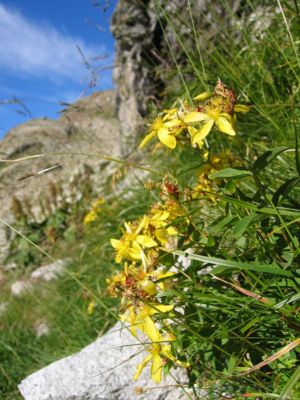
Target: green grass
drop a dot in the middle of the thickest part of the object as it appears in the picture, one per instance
(63, 303)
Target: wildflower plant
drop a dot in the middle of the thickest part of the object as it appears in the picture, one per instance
(217, 109)
(234, 231)
(91, 216)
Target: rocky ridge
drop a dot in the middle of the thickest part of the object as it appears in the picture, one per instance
(64, 152)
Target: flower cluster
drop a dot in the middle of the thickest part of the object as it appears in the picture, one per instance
(217, 109)
(142, 277)
(96, 208)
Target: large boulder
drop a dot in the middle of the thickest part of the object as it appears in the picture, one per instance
(103, 371)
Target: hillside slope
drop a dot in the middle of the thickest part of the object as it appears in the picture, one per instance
(72, 145)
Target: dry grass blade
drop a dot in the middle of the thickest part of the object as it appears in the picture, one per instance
(274, 357)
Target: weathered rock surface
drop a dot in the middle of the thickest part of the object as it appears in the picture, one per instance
(19, 287)
(49, 272)
(102, 371)
(44, 273)
(68, 147)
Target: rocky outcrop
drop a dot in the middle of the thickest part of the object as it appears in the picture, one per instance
(103, 371)
(66, 152)
(44, 273)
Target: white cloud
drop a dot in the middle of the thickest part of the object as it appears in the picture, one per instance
(40, 50)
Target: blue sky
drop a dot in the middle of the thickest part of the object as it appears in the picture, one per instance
(40, 63)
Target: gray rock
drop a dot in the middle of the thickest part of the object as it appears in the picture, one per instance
(41, 328)
(3, 308)
(49, 272)
(18, 288)
(102, 371)
(10, 266)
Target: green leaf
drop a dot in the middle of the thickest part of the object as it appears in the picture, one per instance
(243, 225)
(249, 325)
(231, 364)
(285, 189)
(221, 224)
(265, 210)
(290, 385)
(267, 157)
(230, 173)
(273, 269)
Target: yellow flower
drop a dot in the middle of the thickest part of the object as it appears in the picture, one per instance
(139, 317)
(91, 307)
(160, 352)
(158, 221)
(203, 96)
(193, 132)
(126, 249)
(157, 356)
(131, 245)
(223, 121)
(218, 109)
(92, 215)
(135, 283)
(166, 127)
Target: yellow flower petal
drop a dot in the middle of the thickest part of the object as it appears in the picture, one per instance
(115, 243)
(172, 123)
(161, 308)
(141, 366)
(134, 254)
(146, 241)
(148, 286)
(143, 224)
(128, 227)
(147, 139)
(192, 131)
(225, 126)
(172, 231)
(241, 108)
(195, 116)
(161, 275)
(170, 113)
(166, 139)
(203, 96)
(118, 258)
(91, 307)
(151, 330)
(166, 352)
(156, 368)
(159, 217)
(161, 235)
(203, 132)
